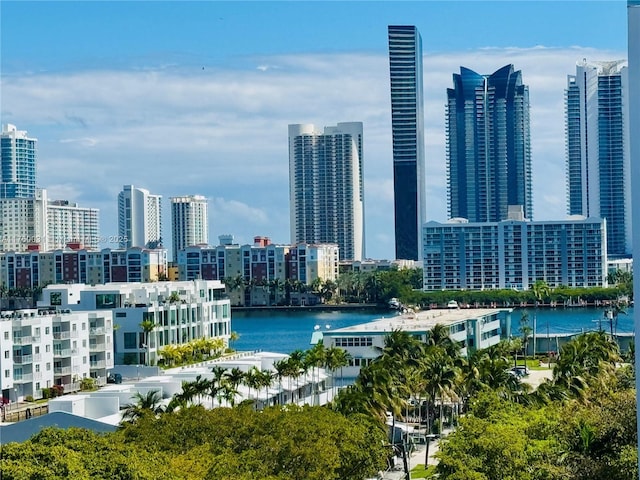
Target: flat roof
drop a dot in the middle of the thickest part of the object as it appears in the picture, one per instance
(421, 321)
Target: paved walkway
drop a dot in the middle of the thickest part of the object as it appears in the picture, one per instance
(416, 458)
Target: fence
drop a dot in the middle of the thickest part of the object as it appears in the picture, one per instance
(23, 414)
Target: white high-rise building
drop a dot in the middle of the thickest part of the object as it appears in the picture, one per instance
(139, 218)
(23, 222)
(189, 222)
(326, 187)
(597, 146)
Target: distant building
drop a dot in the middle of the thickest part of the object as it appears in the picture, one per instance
(23, 222)
(189, 222)
(201, 310)
(597, 140)
(407, 125)
(259, 274)
(326, 187)
(46, 347)
(514, 254)
(17, 163)
(139, 218)
(67, 222)
(488, 145)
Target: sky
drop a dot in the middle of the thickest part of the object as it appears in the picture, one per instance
(187, 98)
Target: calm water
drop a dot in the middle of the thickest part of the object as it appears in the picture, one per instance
(286, 331)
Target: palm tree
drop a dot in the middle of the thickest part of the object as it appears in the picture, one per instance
(315, 359)
(252, 380)
(336, 358)
(525, 329)
(144, 403)
(147, 326)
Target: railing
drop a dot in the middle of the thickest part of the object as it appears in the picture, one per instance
(61, 335)
(100, 381)
(71, 387)
(98, 364)
(22, 340)
(62, 370)
(62, 353)
(97, 331)
(22, 359)
(24, 378)
(96, 346)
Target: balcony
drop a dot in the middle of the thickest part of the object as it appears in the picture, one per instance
(22, 359)
(98, 364)
(61, 335)
(97, 331)
(62, 370)
(22, 340)
(24, 378)
(62, 353)
(99, 347)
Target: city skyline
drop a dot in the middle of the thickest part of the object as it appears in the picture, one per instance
(145, 104)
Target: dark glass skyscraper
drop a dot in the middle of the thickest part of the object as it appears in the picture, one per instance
(488, 145)
(407, 123)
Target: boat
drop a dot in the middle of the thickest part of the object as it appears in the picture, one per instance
(452, 304)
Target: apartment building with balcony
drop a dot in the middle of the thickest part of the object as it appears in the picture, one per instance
(180, 312)
(46, 347)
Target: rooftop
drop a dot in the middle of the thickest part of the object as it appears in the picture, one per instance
(419, 321)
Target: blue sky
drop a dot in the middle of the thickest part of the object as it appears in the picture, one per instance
(195, 97)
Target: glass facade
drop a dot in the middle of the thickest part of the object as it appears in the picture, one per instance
(488, 145)
(407, 123)
(17, 164)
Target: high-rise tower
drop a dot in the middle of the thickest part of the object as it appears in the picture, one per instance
(189, 222)
(488, 145)
(326, 187)
(17, 163)
(597, 147)
(139, 218)
(407, 124)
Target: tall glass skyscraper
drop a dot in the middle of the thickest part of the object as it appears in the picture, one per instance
(597, 141)
(407, 124)
(18, 163)
(488, 145)
(326, 187)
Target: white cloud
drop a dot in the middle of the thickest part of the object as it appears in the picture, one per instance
(223, 133)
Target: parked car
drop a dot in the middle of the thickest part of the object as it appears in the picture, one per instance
(114, 378)
(520, 371)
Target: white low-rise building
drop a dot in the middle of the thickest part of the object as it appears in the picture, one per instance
(43, 348)
(472, 329)
(180, 312)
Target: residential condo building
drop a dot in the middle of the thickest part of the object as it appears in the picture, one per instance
(17, 163)
(488, 145)
(407, 125)
(514, 254)
(597, 147)
(67, 222)
(189, 221)
(42, 348)
(326, 187)
(139, 218)
(180, 312)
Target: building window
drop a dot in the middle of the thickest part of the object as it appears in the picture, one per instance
(6, 354)
(130, 340)
(6, 335)
(47, 348)
(7, 374)
(48, 366)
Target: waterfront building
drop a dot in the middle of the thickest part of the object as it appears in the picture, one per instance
(75, 264)
(189, 221)
(514, 254)
(407, 126)
(326, 187)
(17, 163)
(42, 348)
(488, 145)
(139, 218)
(257, 274)
(181, 312)
(68, 222)
(597, 147)
(472, 329)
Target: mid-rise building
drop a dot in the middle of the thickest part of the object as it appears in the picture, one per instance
(514, 254)
(139, 218)
(189, 222)
(180, 312)
(23, 222)
(597, 141)
(67, 222)
(17, 163)
(42, 348)
(326, 187)
(488, 145)
(407, 125)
